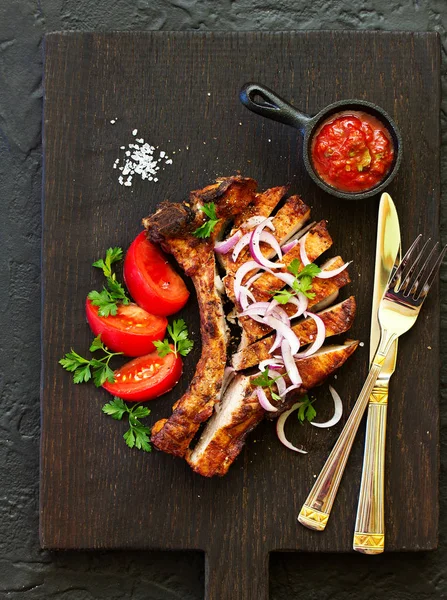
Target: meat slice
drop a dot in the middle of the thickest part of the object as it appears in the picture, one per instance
(322, 288)
(287, 221)
(337, 319)
(172, 226)
(263, 204)
(239, 412)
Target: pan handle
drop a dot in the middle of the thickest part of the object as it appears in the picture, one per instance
(263, 101)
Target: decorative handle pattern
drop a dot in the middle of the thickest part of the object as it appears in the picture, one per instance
(317, 507)
(369, 536)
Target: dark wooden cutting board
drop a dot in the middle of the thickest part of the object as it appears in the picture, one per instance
(180, 90)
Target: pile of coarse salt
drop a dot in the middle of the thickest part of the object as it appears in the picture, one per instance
(140, 158)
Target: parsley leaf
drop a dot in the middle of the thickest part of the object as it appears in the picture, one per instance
(179, 334)
(306, 411)
(113, 255)
(115, 408)
(108, 299)
(205, 230)
(263, 379)
(83, 369)
(137, 436)
(302, 283)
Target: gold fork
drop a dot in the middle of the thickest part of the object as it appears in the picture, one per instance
(398, 310)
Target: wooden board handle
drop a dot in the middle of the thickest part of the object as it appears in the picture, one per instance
(241, 574)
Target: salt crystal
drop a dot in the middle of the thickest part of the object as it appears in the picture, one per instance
(209, 94)
(113, 121)
(140, 159)
(362, 344)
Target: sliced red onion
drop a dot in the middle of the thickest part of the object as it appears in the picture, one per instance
(270, 239)
(277, 343)
(285, 331)
(287, 247)
(253, 221)
(338, 411)
(280, 428)
(244, 294)
(273, 304)
(301, 301)
(226, 245)
(257, 308)
(265, 236)
(248, 266)
(255, 248)
(303, 256)
(251, 281)
(334, 272)
(270, 363)
(264, 401)
(279, 382)
(320, 337)
(290, 364)
(244, 241)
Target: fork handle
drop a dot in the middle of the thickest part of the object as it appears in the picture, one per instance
(369, 536)
(316, 510)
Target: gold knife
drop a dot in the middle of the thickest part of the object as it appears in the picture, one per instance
(369, 536)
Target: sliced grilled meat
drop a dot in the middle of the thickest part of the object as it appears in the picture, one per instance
(263, 204)
(323, 288)
(172, 226)
(287, 221)
(239, 412)
(337, 319)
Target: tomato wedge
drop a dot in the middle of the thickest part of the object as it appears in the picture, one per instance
(150, 279)
(132, 330)
(146, 377)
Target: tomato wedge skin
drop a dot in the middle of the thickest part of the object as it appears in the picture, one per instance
(146, 377)
(150, 279)
(132, 331)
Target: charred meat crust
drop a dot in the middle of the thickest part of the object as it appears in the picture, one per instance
(172, 226)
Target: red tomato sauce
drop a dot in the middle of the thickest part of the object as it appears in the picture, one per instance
(352, 151)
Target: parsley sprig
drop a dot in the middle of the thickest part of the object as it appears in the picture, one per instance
(83, 369)
(137, 436)
(179, 334)
(302, 283)
(264, 380)
(306, 411)
(108, 299)
(206, 229)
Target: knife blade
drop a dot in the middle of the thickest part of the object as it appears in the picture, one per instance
(388, 255)
(369, 536)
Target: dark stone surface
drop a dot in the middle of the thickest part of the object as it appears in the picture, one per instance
(25, 570)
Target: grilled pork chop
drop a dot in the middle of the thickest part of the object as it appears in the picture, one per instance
(337, 319)
(172, 226)
(239, 412)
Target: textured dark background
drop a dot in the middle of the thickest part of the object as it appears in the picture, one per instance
(25, 570)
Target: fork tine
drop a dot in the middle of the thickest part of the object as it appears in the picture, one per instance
(403, 263)
(431, 276)
(423, 270)
(412, 276)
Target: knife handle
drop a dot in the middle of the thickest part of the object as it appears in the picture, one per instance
(369, 536)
